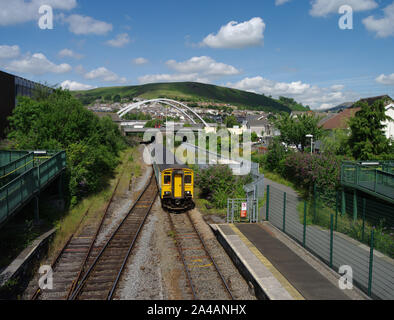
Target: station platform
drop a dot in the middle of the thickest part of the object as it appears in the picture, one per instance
(275, 271)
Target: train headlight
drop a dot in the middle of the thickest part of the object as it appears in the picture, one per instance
(188, 193)
(167, 193)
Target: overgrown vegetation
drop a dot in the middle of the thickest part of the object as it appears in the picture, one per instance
(218, 183)
(58, 121)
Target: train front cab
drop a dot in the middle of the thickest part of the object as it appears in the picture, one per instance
(177, 189)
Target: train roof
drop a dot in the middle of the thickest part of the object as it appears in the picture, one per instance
(165, 159)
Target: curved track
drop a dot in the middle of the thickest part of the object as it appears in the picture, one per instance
(205, 279)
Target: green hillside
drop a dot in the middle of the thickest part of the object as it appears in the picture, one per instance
(186, 91)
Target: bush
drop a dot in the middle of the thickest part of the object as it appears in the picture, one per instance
(305, 170)
(217, 184)
(275, 156)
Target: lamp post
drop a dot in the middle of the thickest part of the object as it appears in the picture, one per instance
(310, 136)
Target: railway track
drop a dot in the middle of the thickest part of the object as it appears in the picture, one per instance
(100, 280)
(73, 258)
(205, 279)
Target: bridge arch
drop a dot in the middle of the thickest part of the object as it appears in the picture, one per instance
(172, 103)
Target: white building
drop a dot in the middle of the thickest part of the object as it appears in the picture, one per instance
(389, 129)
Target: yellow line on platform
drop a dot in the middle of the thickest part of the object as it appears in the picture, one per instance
(282, 280)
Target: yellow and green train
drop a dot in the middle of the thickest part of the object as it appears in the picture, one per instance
(176, 184)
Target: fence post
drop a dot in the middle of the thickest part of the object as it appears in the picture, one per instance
(314, 203)
(284, 211)
(304, 236)
(364, 204)
(370, 264)
(343, 206)
(331, 238)
(228, 210)
(336, 210)
(354, 205)
(268, 203)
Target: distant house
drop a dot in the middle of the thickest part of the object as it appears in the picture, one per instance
(389, 129)
(261, 126)
(340, 120)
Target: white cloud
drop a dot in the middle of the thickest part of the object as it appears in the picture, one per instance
(104, 74)
(203, 65)
(280, 2)
(83, 25)
(321, 8)
(140, 61)
(120, 41)
(196, 69)
(387, 80)
(152, 78)
(9, 52)
(384, 27)
(314, 96)
(75, 86)
(69, 54)
(20, 11)
(37, 64)
(237, 35)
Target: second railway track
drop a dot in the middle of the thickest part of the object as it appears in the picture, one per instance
(102, 277)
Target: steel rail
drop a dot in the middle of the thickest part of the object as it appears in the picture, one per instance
(211, 258)
(54, 262)
(77, 279)
(38, 290)
(183, 258)
(88, 272)
(110, 295)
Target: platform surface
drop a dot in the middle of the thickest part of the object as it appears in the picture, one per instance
(281, 273)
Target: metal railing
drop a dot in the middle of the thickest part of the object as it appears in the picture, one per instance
(20, 190)
(242, 210)
(376, 178)
(7, 157)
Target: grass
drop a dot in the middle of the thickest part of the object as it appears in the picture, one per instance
(205, 206)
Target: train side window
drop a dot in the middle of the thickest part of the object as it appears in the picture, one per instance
(188, 179)
(167, 179)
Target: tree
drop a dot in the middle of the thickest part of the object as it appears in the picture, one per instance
(254, 137)
(117, 98)
(294, 130)
(60, 122)
(336, 142)
(231, 121)
(367, 140)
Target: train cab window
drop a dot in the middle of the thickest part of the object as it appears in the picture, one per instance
(167, 179)
(188, 179)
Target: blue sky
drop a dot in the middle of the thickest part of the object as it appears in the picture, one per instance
(293, 48)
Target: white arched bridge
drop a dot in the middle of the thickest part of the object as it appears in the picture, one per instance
(181, 107)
